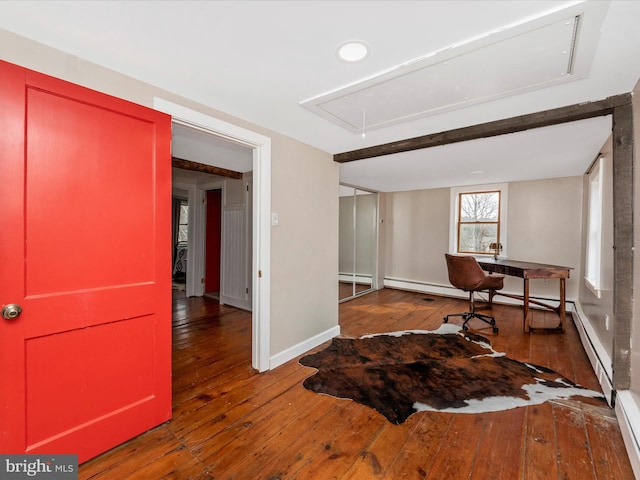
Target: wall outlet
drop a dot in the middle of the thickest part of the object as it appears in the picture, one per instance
(275, 219)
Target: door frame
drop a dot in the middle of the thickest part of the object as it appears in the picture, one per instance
(261, 244)
(195, 242)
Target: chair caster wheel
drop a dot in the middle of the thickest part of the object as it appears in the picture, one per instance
(445, 320)
(465, 328)
(495, 329)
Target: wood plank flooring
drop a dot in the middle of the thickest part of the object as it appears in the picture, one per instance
(232, 423)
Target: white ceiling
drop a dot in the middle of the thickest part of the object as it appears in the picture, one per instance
(261, 60)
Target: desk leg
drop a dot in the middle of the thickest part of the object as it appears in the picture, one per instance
(563, 294)
(525, 306)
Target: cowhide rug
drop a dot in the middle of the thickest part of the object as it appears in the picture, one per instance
(445, 370)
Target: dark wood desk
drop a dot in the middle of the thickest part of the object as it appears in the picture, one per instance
(526, 271)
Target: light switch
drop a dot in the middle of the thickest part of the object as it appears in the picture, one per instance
(275, 221)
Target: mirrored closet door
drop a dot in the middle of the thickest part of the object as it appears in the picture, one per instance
(358, 242)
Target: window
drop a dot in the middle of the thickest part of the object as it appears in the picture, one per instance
(183, 223)
(478, 219)
(594, 228)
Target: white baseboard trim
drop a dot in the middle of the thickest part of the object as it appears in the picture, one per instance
(628, 413)
(598, 356)
(302, 347)
(235, 302)
(449, 291)
(359, 278)
(421, 287)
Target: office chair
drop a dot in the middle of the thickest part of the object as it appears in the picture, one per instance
(466, 274)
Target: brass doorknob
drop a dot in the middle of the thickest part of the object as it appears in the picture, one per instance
(11, 311)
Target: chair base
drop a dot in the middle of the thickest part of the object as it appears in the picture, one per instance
(488, 319)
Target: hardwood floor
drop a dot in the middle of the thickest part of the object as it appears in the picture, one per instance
(232, 423)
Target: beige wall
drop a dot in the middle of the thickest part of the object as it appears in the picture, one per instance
(304, 247)
(543, 225)
(417, 235)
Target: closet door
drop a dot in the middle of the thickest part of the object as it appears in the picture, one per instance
(358, 232)
(346, 254)
(85, 249)
(365, 236)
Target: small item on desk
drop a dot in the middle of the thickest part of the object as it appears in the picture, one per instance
(497, 248)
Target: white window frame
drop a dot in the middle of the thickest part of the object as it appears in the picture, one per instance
(593, 261)
(454, 212)
(186, 204)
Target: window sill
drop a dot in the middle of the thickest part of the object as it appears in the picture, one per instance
(593, 288)
(485, 256)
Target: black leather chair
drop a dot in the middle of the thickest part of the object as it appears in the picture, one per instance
(466, 274)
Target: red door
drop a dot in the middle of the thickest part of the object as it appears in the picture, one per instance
(85, 250)
(213, 236)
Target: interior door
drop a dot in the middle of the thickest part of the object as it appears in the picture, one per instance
(347, 244)
(365, 232)
(213, 241)
(358, 242)
(85, 251)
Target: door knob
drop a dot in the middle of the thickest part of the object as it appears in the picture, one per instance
(11, 311)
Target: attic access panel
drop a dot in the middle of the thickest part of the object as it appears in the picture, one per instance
(549, 50)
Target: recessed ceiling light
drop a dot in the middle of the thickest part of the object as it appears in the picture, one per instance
(476, 172)
(353, 51)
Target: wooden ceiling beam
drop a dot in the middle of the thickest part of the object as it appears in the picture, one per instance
(572, 113)
(199, 167)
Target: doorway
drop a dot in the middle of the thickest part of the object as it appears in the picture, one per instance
(260, 218)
